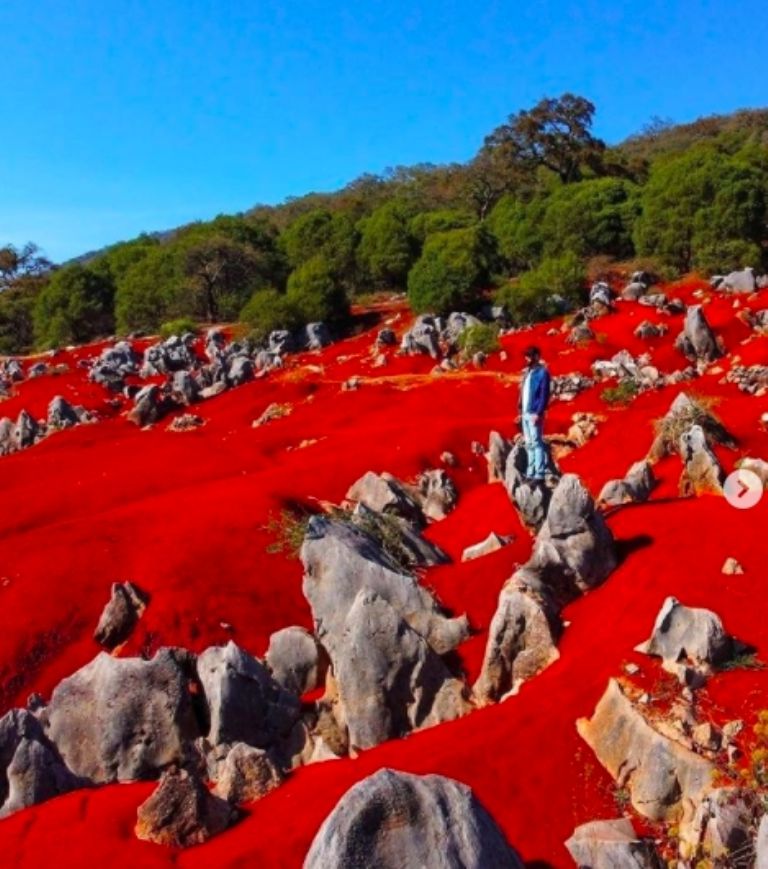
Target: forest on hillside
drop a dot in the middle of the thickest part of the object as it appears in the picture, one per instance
(543, 205)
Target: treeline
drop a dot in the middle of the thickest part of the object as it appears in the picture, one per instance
(521, 222)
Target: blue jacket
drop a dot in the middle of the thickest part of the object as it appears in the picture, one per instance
(538, 392)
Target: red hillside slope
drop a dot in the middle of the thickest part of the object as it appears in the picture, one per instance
(185, 516)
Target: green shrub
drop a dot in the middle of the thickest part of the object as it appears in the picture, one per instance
(178, 327)
(480, 338)
(75, 306)
(316, 295)
(622, 393)
(453, 268)
(268, 310)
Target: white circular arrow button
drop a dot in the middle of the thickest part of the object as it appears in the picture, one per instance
(743, 489)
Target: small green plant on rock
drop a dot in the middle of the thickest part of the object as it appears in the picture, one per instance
(622, 393)
(480, 338)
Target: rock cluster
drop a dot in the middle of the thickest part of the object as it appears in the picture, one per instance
(573, 552)
(27, 431)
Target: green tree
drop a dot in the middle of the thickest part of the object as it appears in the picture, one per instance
(429, 222)
(16, 320)
(539, 294)
(151, 292)
(555, 133)
(268, 310)
(75, 306)
(516, 226)
(452, 270)
(701, 205)
(316, 295)
(16, 263)
(590, 218)
(387, 249)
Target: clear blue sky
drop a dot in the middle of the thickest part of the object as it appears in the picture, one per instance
(138, 115)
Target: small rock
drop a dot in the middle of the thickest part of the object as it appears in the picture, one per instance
(732, 567)
(182, 812)
(120, 615)
(492, 543)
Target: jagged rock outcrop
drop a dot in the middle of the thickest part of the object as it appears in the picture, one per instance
(181, 812)
(340, 560)
(247, 774)
(498, 452)
(721, 829)
(702, 471)
(174, 354)
(492, 543)
(683, 413)
(647, 330)
(697, 340)
(611, 844)
(574, 551)
(522, 639)
(636, 486)
(118, 618)
(61, 414)
(26, 432)
(31, 769)
(296, 661)
(399, 537)
(148, 406)
(600, 293)
(315, 336)
(240, 370)
(688, 639)
(384, 493)
(113, 365)
(663, 778)
(390, 680)
(634, 290)
(184, 388)
(384, 635)
(245, 704)
(422, 337)
(7, 441)
(393, 819)
(436, 494)
(531, 498)
(118, 719)
(741, 281)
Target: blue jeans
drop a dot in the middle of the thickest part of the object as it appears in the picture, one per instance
(534, 446)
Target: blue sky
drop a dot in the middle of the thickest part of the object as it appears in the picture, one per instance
(138, 115)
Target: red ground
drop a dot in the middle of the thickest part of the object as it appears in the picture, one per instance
(183, 515)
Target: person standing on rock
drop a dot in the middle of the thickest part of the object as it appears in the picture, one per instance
(534, 399)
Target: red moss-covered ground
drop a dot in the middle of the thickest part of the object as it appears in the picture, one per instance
(184, 516)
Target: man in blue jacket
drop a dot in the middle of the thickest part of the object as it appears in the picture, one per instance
(534, 398)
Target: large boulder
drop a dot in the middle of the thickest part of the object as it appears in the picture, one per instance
(61, 414)
(184, 388)
(147, 406)
(697, 340)
(340, 560)
(245, 704)
(26, 431)
(574, 549)
(240, 370)
(118, 618)
(296, 661)
(7, 440)
(390, 680)
(31, 769)
(531, 498)
(391, 820)
(688, 638)
(742, 281)
(422, 337)
(522, 640)
(611, 845)
(664, 779)
(118, 719)
(181, 812)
